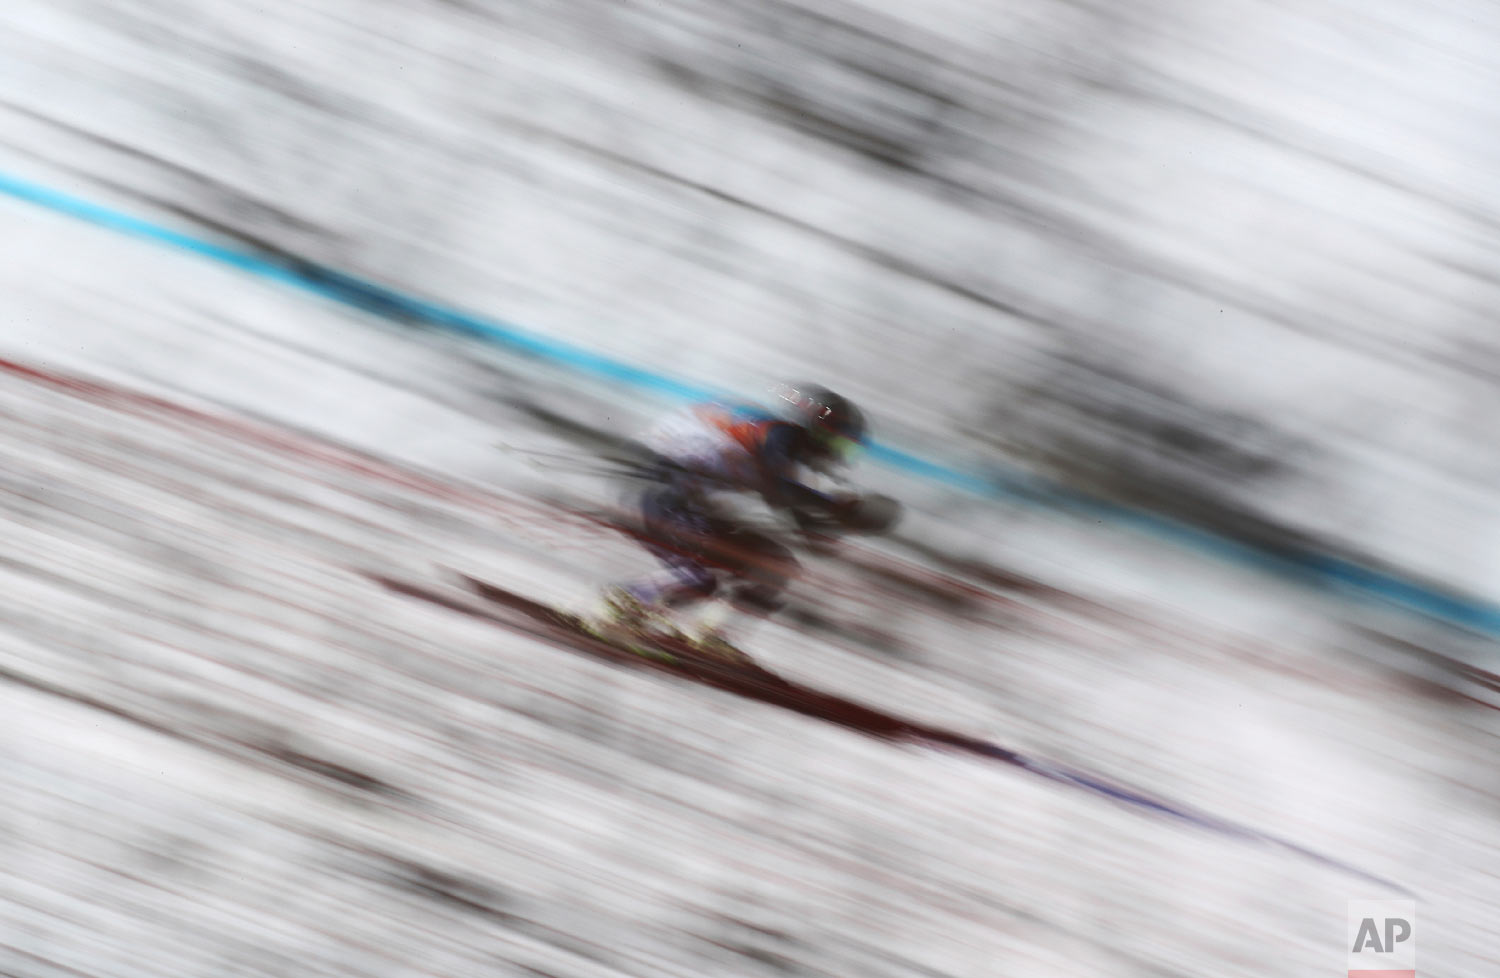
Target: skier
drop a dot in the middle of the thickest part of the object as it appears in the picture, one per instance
(703, 458)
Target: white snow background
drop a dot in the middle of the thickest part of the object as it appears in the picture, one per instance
(225, 752)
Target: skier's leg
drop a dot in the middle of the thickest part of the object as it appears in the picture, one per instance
(761, 568)
(676, 531)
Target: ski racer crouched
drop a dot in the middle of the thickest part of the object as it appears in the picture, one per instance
(707, 459)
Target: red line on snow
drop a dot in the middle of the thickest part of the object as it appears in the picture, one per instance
(287, 442)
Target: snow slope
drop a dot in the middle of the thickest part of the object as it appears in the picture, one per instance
(226, 752)
(1269, 224)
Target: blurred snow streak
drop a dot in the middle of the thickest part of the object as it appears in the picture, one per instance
(1231, 262)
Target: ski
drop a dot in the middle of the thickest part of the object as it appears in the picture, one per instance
(498, 606)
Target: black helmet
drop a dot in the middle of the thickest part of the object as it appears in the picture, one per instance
(835, 425)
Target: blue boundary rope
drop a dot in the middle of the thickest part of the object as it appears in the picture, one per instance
(1327, 569)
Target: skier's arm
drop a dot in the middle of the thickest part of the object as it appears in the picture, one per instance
(822, 516)
(785, 490)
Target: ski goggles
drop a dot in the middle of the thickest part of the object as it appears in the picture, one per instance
(838, 446)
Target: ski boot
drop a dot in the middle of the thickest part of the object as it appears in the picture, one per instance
(626, 621)
(711, 644)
